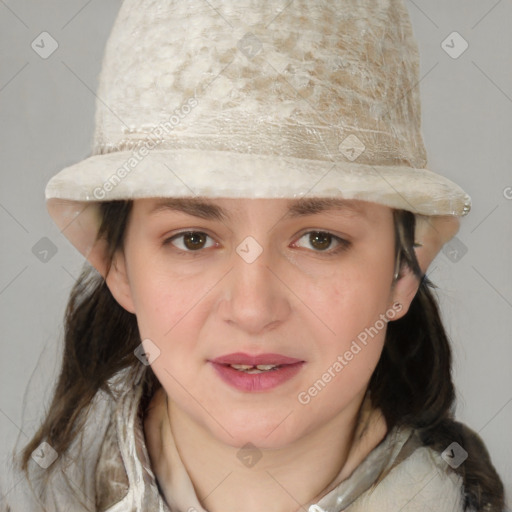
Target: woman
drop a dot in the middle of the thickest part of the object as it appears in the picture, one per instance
(258, 332)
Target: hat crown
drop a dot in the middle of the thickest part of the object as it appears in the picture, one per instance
(311, 79)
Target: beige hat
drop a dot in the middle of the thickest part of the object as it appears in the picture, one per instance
(258, 99)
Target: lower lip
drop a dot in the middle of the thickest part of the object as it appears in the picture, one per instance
(257, 381)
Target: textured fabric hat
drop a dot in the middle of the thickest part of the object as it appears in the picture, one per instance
(255, 99)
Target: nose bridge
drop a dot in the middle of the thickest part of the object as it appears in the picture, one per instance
(254, 299)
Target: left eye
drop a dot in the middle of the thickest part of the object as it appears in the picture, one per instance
(322, 240)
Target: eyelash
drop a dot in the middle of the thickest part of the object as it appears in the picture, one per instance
(343, 244)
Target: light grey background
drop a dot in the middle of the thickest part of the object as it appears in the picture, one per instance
(47, 111)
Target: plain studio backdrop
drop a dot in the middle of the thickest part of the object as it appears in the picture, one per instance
(47, 119)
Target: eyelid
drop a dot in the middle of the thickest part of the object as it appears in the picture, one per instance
(343, 243)
(168, 240)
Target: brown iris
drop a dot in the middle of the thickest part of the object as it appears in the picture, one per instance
(320, 240)
(194, 240)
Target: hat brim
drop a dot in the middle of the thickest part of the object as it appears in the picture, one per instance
(74, 193)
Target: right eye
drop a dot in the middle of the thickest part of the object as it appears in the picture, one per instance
(189, 241)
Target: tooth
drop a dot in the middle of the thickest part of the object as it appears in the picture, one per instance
(266, 366)
(241, 366)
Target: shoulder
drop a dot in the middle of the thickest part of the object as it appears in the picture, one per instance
(422, 481)
(483, 488)
(446, 469)
(66, 481)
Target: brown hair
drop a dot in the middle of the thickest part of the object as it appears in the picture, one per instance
(411, 384)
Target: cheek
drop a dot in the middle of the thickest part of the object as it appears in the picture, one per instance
(345, 359)
(160, 301)
(348, 301)
(352, 306)
(150, 298)
(171, 311)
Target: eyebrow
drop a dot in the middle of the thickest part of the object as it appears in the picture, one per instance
(207, 210)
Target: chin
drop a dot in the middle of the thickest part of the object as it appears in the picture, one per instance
(262, 431)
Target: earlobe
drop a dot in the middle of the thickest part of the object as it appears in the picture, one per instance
(405, 290)
(118, 282)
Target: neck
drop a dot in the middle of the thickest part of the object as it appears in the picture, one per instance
(228, 479)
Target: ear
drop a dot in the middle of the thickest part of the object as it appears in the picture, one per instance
(97, 256)
(431, 233)
(118, 282)
(404, 291)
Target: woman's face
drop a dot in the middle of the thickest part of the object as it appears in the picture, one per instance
(228, 281)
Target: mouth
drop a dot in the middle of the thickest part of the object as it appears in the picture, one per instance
(256, 373)
(263, 362)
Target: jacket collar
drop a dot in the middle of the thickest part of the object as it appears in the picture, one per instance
(136, 488)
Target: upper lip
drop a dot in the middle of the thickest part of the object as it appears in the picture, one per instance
(254, 360)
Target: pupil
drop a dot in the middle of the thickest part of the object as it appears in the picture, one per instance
(320, 240)
(195, 239)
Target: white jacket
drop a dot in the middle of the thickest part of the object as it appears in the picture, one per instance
(108, 467)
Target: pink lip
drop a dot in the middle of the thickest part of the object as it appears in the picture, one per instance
(288, 368)
(241, 358)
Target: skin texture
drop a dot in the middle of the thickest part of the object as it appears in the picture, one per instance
(295, 300)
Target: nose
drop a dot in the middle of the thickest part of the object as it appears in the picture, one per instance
(255, 298)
